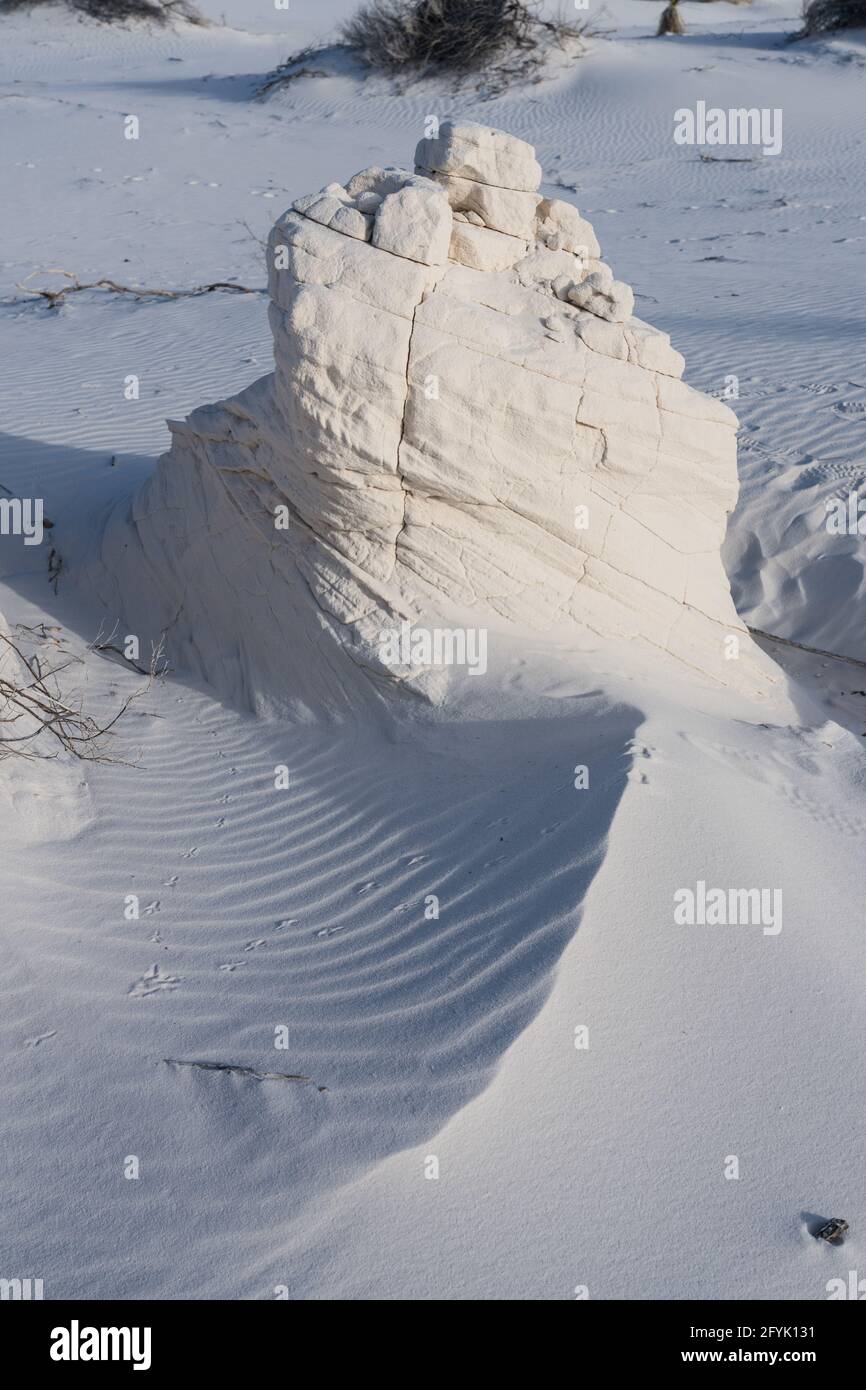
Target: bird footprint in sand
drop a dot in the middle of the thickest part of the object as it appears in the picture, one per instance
(153, 981)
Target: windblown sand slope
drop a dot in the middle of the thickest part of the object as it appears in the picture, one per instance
(304, 909)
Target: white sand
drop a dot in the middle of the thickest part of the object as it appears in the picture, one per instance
(451, 1037)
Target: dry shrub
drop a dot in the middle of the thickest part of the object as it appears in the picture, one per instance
(108, 10)
(671, 21)
(41, 716)
(828, 16)
(501, 40)
(392, 35)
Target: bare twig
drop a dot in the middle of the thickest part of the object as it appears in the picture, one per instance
(726, 158)
(57, 297)
(55, 567)
(158, 665)
(241, 1071)
(161, 11)
(262, 241)
(37, 720)
(296, 66)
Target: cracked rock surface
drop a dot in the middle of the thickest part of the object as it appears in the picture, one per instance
(465, 423)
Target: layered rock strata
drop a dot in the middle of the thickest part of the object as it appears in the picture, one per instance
(465, 422)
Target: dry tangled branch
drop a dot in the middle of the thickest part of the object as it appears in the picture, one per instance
(38, 720)
(828, 16)
(162, 11)
(499, 40)
(392, 35)
(237, 1070)
(297, 66)
(726, 158)
(55, 298)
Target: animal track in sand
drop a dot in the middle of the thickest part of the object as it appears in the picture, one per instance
(43, 1037)
(636, 773)
(816, 473)
(755, 391)
(823, 813)
(773, 770)
(776, 455)
(153, 981)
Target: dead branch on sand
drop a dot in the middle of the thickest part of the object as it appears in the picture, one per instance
(34, 709)
(55, 298)
(238, 1070)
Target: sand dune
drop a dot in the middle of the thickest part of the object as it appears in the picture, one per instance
(262, 909)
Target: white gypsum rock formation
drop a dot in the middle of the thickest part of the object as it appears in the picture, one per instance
(465, 422)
